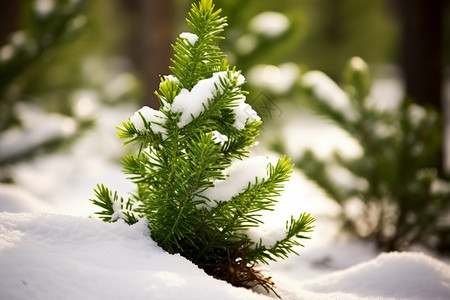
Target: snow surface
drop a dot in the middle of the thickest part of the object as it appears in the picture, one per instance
(20, 140)
(63, 257)
(60, 255)
(49, 256)
(390, 275)
(65, 180)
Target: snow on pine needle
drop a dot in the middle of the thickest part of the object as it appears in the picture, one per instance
(196, 188)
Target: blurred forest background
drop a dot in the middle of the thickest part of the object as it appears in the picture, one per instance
(322, 34)
(55, 53)
(63, 61)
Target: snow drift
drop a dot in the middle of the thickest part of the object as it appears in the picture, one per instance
(49, 256)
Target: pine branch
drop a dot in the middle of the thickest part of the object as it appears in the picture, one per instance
(112, 206)
(295, 230)
(187, 146)
(192, 63)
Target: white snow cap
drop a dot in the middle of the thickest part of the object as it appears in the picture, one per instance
(118, 214)
(269, 23)
(243, 112)
(219, 138)
(328, 91)
(154, 117)
(240, 174)
(172, 78)
(192, 103)
(192, 38)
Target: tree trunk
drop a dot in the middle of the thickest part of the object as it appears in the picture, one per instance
(149, 44)
(422, 55)
(9, 19)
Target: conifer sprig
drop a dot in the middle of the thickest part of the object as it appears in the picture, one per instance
(187, 148)
(192, 63)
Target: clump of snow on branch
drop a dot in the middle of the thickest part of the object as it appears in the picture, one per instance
(172, 78)
(239, 176)
(270, 24)
(189, 37)
(328, 91)
(243, 112)
(154, 117)
(118, 214)
(219, 138)
(192, 103)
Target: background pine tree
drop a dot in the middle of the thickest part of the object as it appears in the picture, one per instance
(405, 196)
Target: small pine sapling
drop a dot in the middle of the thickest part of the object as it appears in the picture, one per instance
(402, 194)
(194, 183)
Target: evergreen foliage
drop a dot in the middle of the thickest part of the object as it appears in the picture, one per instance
(45, 27)
(184, 152)
(406, 196)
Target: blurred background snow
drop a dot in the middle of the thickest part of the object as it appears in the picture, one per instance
(73, 70)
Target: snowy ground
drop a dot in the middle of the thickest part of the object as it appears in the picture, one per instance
(50, 249)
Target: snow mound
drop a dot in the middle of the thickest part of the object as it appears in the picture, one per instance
(390, 276)
(49, 256)
(63, 257)
(14, 199)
